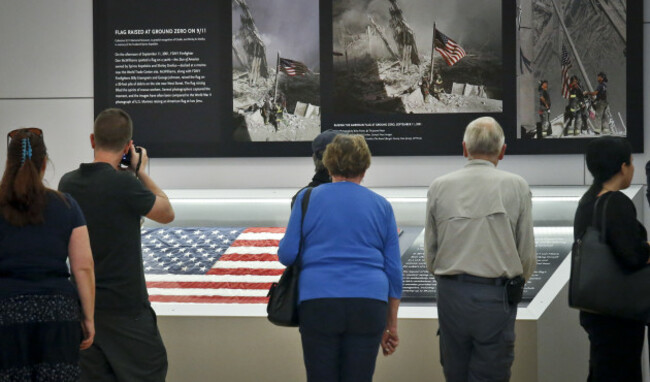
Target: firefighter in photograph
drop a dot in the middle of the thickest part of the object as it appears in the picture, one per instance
(438, 87)
(601, 105)
(576, 107)
(424, 88)
(544, 108)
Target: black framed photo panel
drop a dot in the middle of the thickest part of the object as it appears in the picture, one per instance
(261, 78)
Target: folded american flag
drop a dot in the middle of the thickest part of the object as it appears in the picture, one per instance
(211, 264)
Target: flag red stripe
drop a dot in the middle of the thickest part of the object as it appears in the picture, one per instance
(255, 243)
(245, 271)
(249, 257)
(265, 229)
(210, 299)
(207, 285)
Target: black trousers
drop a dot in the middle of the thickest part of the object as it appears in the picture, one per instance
(615, 348)
(340, 338)
(126, 348)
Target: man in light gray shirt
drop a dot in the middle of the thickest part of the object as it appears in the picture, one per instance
(478, 239)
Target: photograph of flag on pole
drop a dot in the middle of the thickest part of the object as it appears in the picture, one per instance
(448, 48)
(565, 61)
(292, 67)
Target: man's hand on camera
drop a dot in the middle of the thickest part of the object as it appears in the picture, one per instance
(138, 155)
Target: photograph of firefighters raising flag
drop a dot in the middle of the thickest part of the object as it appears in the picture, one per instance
(576, 85)
(417, 56)
(276, 70)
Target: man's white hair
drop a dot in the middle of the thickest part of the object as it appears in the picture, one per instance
(484, 136)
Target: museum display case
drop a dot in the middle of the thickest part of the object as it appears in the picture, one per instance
(187, 262)
(214, 263)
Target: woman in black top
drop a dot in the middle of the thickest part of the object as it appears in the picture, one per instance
(44, 319)
(615, 343)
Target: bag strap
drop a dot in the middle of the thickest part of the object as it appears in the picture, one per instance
(603, 220)
(303, 205)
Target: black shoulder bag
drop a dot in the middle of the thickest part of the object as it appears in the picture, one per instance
(282, 308)
(600, 284)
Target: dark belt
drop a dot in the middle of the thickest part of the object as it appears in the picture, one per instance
(499, 281)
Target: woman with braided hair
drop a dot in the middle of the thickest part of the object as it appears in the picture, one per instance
(45, 319)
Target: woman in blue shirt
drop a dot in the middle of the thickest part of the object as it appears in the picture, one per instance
(351, 272)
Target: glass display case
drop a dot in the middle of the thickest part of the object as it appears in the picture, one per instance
(219, 256)
(208, 274)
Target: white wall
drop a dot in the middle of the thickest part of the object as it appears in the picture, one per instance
(46, 64)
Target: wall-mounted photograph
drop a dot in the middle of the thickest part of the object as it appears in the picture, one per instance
(276, 69)
(417, 56)
(572, 75)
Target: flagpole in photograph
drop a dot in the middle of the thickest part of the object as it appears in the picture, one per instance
(573, 47)
(277, 71)
(433, 51)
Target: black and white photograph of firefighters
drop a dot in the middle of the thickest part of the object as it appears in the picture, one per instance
(573, 52)
(276, 70)
(417, 56)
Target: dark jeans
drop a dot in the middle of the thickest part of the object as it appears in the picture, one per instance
(340, 338)
(477, 331)
(126, 348)
(615, 348)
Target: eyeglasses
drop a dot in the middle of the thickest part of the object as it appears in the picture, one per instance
(34, 130)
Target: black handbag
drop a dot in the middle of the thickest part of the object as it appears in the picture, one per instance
(282, 308)
(600, 284)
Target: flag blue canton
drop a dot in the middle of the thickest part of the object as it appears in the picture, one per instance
(185, 250)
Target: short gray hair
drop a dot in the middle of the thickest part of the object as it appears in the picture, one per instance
(484, 136)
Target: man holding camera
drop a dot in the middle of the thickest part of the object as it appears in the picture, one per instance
(127, 346)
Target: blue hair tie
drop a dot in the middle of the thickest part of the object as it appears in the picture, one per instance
(27, 150)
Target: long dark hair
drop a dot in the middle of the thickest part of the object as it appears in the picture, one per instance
(604, 157)
(22, 192)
